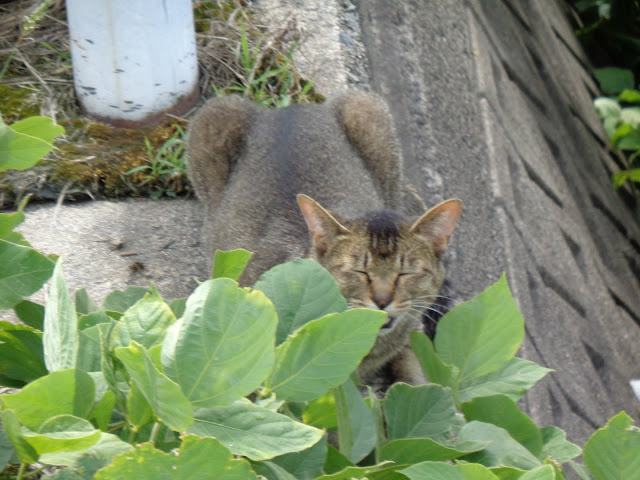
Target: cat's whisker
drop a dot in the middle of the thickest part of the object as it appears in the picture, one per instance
(421, 311)
(434, 307)
(436, 297)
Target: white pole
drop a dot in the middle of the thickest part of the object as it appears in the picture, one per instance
(133, 60)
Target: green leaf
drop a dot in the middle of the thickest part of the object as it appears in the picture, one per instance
(582, 471)
(374, 472)
(612, 129)
(26, 453)
(631, 116)
(62, 433)
(304, 465)
(92, 319)
(230, 264)
(254, 432)
(118, 301)
(543, 472)
(433, 471)
(301, 291)
(197, 458)
(101, 384)
(556, 446)
(375, 404)
(90, 348)
(9, 221)
(416, 450)
(432, 365)
(607, 108)
(103, 410)
(139, 411)
(513, 380)
(503, 412)
(619, 178)
(614, 80)
(426, 411)
(146, 322)
(323, 353)
(271, 471)
(482, 335)
(223, 346)
(444, 471)
(23, 271)
(356, 426)
(84, 304)
(629, 96)
(105, 449)
(30, 313)
(502, 450)
(6, 449)
(43, 128)
(21, 355)
(321, 412)
(60, 338)
(335, 462)
(63, 392)
(22, 145)
(613, 452)
(474, 471)
(620, 131)
(166, 399)
(631, 141)
(178, 306)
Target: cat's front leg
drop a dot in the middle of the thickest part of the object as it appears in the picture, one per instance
(406, 368)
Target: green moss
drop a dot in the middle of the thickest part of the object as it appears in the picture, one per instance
(99, 162)
(17, 103)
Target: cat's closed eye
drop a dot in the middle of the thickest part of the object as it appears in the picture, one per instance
(363, 275)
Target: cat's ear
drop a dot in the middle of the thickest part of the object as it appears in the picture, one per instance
(323, 226)
(438, 223)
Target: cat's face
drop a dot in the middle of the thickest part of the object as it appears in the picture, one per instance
(383, 260)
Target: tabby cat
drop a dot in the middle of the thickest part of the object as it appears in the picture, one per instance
(325, 181)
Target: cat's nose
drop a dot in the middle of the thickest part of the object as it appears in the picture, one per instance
(382, 300)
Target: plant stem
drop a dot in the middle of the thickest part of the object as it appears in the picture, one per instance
(154, 432)
(21, 470)
(35, 472)
(345, 435)
(115, 426)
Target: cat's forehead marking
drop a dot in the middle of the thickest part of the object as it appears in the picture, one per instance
(382, 228)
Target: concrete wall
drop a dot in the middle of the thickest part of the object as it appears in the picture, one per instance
(493, 99)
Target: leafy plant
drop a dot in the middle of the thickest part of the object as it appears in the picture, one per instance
(23, 270)
(620, 115)
(218, 385)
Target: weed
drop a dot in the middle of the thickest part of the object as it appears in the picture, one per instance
(268, 80)
(166, 169)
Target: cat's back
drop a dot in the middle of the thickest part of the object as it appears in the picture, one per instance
(301, 149)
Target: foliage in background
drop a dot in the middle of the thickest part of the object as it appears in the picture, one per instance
(610, 34)
(620, 114)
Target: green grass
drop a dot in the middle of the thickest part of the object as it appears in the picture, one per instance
(166, 171)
